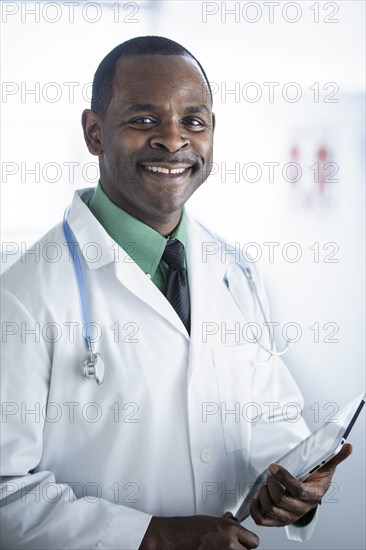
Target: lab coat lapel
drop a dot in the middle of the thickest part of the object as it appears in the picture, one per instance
(205, 275)
(95, 244)
(91, 236)
(137, 282)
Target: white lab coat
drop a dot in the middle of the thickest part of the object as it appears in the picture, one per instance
(179, 426)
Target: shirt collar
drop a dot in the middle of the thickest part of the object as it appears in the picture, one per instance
(145, 245)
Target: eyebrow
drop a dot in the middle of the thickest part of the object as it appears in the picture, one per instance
(199, 109)
(149, 107)
(142, 107)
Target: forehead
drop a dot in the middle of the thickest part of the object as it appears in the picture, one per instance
(160, 78)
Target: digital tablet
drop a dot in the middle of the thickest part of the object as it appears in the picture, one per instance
(312, 453)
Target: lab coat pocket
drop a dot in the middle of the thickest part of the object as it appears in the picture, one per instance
(234, 374)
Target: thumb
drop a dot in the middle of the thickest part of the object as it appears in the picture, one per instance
(229, 515)
(342, 455)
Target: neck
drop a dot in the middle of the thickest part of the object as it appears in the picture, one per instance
(164, 223)
(164, 228)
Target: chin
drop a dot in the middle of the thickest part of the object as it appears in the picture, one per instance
(168, 204)
(168, 208)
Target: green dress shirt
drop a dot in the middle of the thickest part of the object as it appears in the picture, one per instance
(145, 245)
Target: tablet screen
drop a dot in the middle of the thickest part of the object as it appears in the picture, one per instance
(322, 443)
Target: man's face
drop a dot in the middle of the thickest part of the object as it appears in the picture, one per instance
(157, 135)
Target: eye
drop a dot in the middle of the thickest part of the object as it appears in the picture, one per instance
(194, 123)
(143, 121)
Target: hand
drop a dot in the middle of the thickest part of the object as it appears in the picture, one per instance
(285, 499)
(198, 533)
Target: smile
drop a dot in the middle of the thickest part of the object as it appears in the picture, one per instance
(165, 170)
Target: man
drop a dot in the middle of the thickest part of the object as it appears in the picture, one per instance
(152, 457)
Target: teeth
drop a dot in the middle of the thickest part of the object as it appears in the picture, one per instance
(177, 170)
(165, 170)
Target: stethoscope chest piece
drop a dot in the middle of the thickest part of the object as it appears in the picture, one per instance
(94, 367)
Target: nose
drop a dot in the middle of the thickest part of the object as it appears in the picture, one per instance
(170, 136)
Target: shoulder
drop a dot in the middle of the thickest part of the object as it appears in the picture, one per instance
(47, 258)
(214, 244)
(199, 229)
(37, 266)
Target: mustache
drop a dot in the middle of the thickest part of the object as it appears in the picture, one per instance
(170, 159)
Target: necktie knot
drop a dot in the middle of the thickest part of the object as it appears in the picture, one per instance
(174, 254)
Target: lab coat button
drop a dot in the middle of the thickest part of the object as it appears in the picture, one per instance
(206, 455)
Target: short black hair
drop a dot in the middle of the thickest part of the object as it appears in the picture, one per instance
(102, 91)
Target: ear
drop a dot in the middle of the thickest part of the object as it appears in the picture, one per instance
(213, 122)
(92, 126)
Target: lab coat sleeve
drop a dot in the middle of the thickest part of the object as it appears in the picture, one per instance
(36, 510)
(301, 534)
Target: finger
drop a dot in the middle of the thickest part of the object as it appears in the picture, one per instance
(229, 515)
(294, 486)
(248, 538)
(282, 498)
(345, 452)
(269, 508)
(259, 516)
(275, 488)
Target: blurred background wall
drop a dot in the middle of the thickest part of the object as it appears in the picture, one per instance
(287, 185)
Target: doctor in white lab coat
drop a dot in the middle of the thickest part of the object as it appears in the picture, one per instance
(183, 422)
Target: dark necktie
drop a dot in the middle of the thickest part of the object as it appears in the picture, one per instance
(176, 289)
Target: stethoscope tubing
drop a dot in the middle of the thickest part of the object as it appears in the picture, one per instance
(84, 302)
(253, 287)
(93, 366)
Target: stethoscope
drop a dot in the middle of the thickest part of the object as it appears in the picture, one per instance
(254, 290)
(93, 366)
